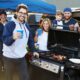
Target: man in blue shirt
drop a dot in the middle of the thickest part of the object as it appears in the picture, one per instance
(69, 22)
(3, 21)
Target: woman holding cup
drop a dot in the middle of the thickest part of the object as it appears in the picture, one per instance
(41, 35)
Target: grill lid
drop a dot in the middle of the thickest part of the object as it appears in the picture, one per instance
(63, 38)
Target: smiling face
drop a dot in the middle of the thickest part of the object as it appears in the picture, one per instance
(67, 15)
(59, 17)
(45, 24)
(21, 14)
(3, 18)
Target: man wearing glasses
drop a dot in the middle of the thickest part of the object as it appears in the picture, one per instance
(16, 37)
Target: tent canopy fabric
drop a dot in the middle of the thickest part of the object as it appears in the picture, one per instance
(41, 6)
(33, 5)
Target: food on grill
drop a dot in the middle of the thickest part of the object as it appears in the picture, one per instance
(59, 57)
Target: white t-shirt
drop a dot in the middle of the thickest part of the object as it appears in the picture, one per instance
(60, 25)
(42, 41)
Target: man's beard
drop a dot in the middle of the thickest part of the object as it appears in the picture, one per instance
(68, 18)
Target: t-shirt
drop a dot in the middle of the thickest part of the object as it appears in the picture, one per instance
(70, 22)
(42, 40)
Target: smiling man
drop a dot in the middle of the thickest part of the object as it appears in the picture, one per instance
(69, 22)
(16, 36)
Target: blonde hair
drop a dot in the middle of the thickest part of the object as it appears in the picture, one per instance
(43, 20)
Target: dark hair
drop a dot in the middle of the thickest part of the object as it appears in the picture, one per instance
(59, 13)
(21, 6)
(15, 16)
(3, 12)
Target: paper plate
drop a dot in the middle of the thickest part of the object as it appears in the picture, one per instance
(74, 60)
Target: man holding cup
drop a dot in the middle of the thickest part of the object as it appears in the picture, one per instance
(16, 37)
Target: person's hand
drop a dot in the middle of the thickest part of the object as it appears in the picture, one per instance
(36, 54)
(16, 35)
(36, 37)
(78, 29)
(71, 27)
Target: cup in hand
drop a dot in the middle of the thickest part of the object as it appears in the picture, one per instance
(21, 32)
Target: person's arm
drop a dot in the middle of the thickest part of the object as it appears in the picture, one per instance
(54, 23)
(36, 37)
(8, 33)
(31, 43)
(76, 26)
(1, 28)
(30, 40)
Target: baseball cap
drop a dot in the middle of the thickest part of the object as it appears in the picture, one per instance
(67, 10)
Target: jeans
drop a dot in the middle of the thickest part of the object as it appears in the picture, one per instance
(1, 47)
(18, 66)
(1, 52)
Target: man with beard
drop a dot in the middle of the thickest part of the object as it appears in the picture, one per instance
(69, 22)
(16, 37)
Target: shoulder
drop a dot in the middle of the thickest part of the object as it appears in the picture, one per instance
(27, 26)
(10, 25)
(54, 21)
(10, 22)
(73, 20)
(1, 25)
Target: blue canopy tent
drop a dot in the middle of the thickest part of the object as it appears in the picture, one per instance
(33, 5)
(10, 4)
(41, 6)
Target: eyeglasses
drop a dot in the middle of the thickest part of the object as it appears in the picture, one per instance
(25, 14)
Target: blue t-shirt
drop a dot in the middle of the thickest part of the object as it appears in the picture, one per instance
(70, 22)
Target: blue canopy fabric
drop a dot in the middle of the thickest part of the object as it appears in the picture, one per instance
(33, 5)
(10, 4)
(41, 6)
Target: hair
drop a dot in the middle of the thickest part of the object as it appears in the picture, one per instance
(59, 13)
(3, 12)
(21, 6)
(43, 20)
